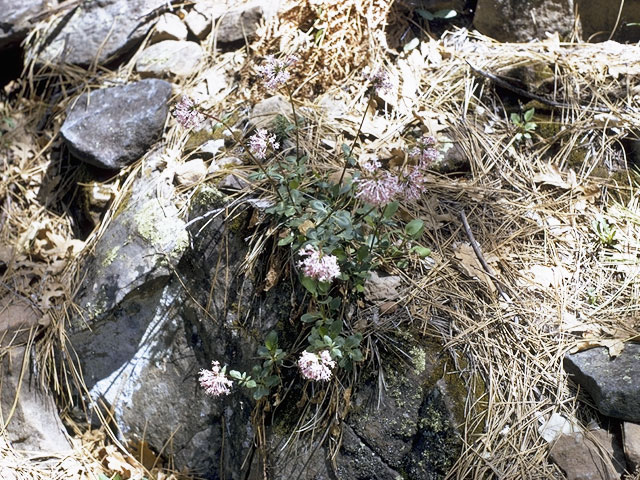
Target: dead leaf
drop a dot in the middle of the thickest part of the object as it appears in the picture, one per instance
(553, 176)
(471, 265)
(545, 276)
(614, 345)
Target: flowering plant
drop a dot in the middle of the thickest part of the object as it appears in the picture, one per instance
(337, 232)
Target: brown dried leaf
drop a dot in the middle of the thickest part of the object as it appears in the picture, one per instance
(614, 345)
(471, 265)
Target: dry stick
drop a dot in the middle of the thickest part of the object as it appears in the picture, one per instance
(483, 262)
(519, 91)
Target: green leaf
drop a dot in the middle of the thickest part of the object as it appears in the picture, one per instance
(515, 118)
(318, 206)
(235, 374)
(445, 14)
(310, 317)
(356, 355)
(310, 284)
(528, 115)
(414, 228)
(271, 341)
(272, 381)
(260, 392)
(342, 218)
(390, 210)
(286, 240)
(346, 149)
(363, 252)
(422, 251)
(251, 384)
(425, 14)
(530, 126)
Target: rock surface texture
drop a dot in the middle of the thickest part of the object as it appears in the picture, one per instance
(169, 58)
(590, 456)
(611, 382)
(14, 19)
(600, 21)
(112, 127)
(33, 422)
(522, 21)
(631, 440)
(101, 30)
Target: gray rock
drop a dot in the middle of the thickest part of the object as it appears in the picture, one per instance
(611, 382)
(382, 288)
(17, 318)
(112, 127)
(169, 27)
(34, 424)
(264, 113)
(191, 172)
(239, 24)
(14, 19)
(152, 332)
(232, 24)
(105, 29)
(169, 58)
(585, 456)
(631, 440)
(519, 21)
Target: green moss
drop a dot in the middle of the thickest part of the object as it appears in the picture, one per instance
(238, 222)
(207, 195)
(110, 256)
(147, 221)
(577, 157)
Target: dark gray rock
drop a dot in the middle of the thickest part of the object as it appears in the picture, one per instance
(601, 19)
(14, 19)
(232, 24)
(112, 127)
(102, 29)
(612, 382)
(523, 21)
(239, 24)
(33, 421)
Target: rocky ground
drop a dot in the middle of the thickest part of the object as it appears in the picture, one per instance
(135, 251)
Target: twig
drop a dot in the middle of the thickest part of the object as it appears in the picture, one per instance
(483, 262)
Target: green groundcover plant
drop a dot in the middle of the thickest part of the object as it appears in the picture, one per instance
(336, 229)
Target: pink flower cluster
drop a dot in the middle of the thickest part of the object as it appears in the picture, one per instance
(187, 113)
(316, 366)
(215, 381)
(274, 71)
(379, 187)
(323, 268)
(380, 81)
(260, 141)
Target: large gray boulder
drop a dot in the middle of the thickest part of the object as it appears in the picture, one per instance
(523, 20)
(101, 30)
(14, 19)
(112, 127)
(612, 382)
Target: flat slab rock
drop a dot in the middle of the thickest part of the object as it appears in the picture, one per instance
(112, 127)
(102, 29)
(612, 382)
(170, 58)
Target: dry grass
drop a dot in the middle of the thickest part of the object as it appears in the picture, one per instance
(533, 222)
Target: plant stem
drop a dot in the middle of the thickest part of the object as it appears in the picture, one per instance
(295, 121)
(353, 144)
(253, 157)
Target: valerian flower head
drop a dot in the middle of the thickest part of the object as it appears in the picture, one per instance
(380, 80)
(316, 366)
(187, 113)
(378, 187)
(318, 266)
(274, 71)
(260, 141)
(414, 184)
(425, 152)
(215, 381)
